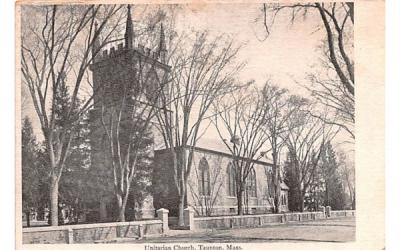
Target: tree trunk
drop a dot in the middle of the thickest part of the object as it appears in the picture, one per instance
(121, 209)
(182, 195)
(103, 209)
(301, 200)
(277, 203)
(240, 201)
(277, 187)
(181, 219)
(54, 201)
(28, 221)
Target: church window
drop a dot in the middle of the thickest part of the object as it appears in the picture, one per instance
(204, 180)
(251, 187)
(231, 180)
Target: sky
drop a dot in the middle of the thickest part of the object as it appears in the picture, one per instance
(285, 56)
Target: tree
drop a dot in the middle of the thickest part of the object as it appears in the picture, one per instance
(127, 125)
(334, 191)
(242, 115)
(291, 179)
(347, 173)
(127, 113)
(58, 42)
(278, 111)
(78, 183)
(30, 177)
(305, 143)
(141, 185)
(335, 88)
(199, 75)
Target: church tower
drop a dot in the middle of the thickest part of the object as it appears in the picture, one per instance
(127, 67)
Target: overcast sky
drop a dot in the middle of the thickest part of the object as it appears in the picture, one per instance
(287, 55)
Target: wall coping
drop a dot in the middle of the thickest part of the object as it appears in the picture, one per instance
(251, 215)
(85, 226)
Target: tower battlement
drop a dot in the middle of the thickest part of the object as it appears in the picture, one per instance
(115, 51)
(128, 45)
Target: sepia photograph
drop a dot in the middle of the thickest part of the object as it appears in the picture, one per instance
(187, 123)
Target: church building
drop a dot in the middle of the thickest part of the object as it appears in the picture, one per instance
(211, 187)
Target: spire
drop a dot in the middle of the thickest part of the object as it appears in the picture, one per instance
(96, 42)
(162, 47)
(129, 30)
(162, 39)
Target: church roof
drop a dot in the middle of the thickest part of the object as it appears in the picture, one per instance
(214, 146)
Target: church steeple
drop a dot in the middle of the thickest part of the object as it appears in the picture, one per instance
(129, 30)
(162, 47)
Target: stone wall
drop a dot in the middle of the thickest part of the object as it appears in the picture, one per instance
(224, 222)
(90, 233)
(253, 220)
(343, 213)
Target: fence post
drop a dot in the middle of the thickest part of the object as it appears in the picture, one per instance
(188, 214)
(328, 211)
(162, 214)
(141, 231)
(70, 236)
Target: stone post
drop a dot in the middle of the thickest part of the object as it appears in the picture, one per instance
(323, 211)
(283, 218)
(141, 231)
(328, 211)
(188, 214)
(162, 214)
(70, 236)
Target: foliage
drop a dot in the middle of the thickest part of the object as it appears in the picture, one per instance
(30, 174)
(34, 172)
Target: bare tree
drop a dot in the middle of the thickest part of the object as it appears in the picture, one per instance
(335, 89)
(330, 93)
(204, 202)
(305, 142)
(59, 41)
(278, 112)
(127, 122)
(199, 75)
(239, 122)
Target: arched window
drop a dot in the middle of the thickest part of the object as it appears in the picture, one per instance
(204, 178)
(283, 199)
(231, 180)
(251, 187)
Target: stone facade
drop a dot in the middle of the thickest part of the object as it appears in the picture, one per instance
(216, 199)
